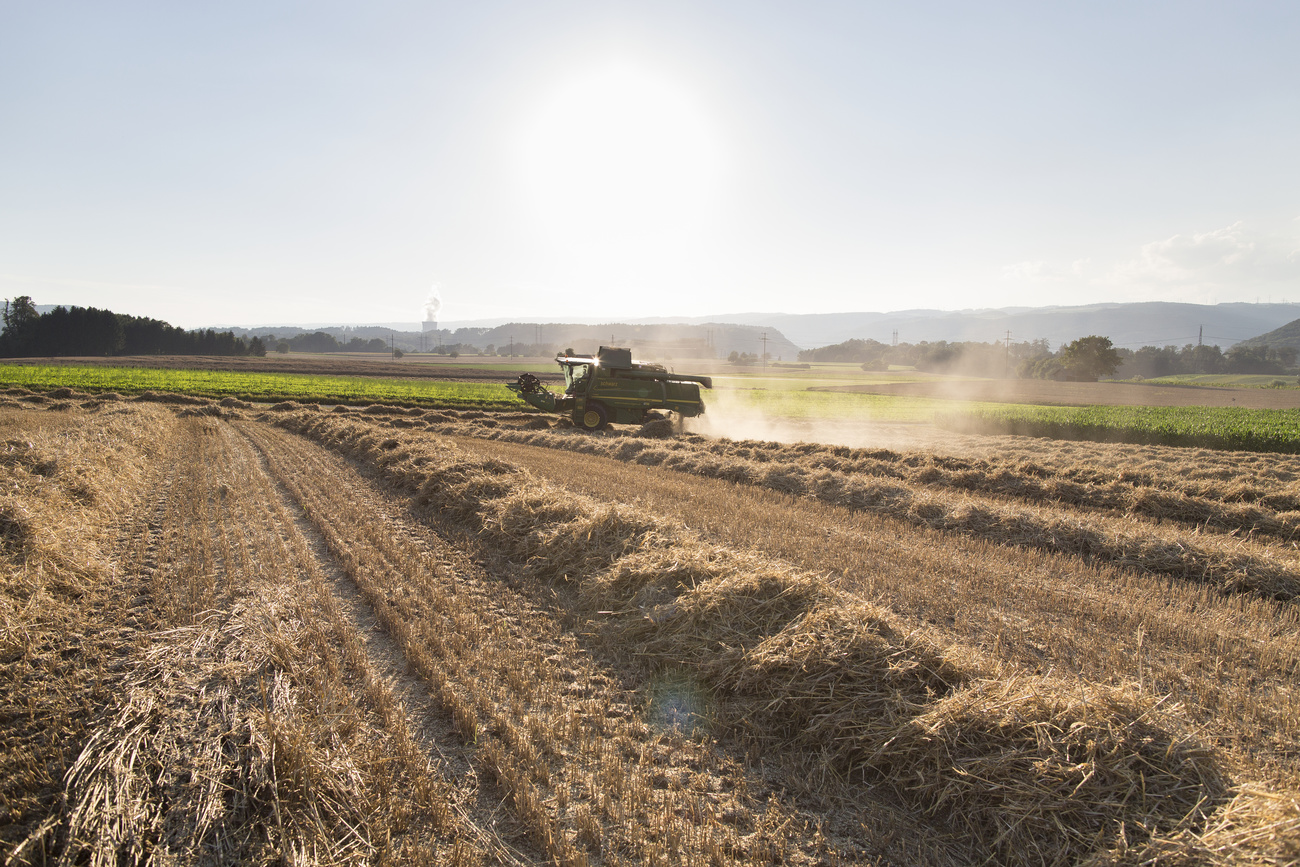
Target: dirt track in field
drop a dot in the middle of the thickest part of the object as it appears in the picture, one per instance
(225, 543)
(279, 457)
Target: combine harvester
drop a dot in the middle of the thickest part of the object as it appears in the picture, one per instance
(611, 387)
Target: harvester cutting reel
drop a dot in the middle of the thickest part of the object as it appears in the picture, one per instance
(529, 384)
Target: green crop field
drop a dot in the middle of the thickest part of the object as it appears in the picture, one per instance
(1264, 430)
(259, 386)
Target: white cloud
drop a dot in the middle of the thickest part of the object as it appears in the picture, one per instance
(1038, 271)
(1233, 260)
(1032, 270)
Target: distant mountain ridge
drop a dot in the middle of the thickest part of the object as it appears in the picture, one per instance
(1131, 325)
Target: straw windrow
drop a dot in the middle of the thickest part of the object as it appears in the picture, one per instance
(898, 490)
(1037, 770)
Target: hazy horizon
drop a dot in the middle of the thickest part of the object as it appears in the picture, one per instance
(286, 161)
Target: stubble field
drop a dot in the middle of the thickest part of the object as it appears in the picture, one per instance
(291, 634)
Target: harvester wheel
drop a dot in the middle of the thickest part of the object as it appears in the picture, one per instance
(595, 417)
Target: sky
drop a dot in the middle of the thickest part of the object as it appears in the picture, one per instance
(270, 162)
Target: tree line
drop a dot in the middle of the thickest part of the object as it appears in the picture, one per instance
(319, 341)
(90, 331)
(1084, 360)
(941, 356)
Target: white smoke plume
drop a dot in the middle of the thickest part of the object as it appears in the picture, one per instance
(433, 304)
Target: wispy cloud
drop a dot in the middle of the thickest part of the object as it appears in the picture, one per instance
(1233, 258)
(1039, 271)
(1234, 261)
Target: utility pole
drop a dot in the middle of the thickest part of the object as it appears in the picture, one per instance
(895, 338)
(1007, 371)
(764, 338)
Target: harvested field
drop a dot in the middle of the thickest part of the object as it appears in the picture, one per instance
(236, 635)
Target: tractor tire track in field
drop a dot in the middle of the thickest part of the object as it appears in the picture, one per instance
(480, 801)
(590, 782)
(261, 721)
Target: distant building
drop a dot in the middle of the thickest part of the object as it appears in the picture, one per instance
(430, 325)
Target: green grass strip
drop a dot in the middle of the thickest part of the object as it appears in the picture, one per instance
(1257, 430)
(264, 387)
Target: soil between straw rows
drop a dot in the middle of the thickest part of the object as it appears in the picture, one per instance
(392, 648)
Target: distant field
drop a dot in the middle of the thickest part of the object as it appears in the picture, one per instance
(1230, 380)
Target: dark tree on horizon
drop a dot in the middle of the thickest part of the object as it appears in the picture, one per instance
(74, 331)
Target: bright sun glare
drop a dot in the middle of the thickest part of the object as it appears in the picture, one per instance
(620, 159)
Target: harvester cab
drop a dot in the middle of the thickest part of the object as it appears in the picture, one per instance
(610, 387)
